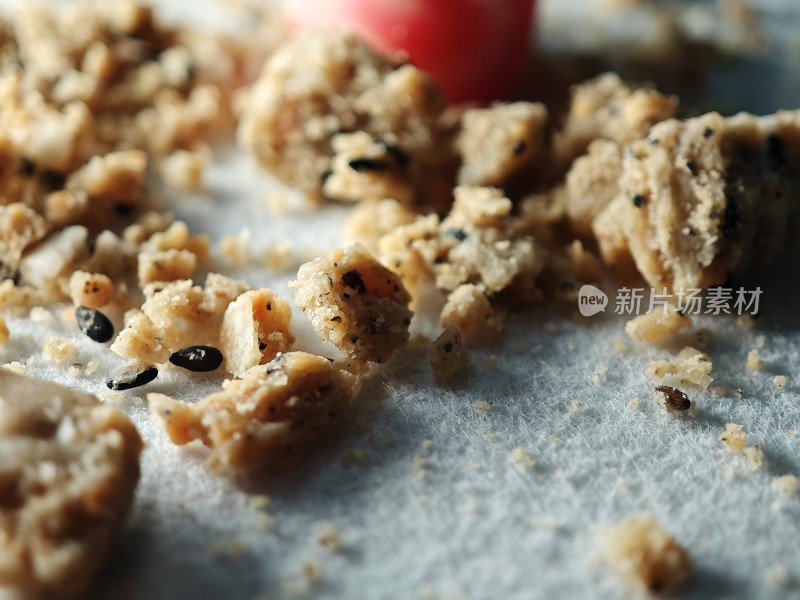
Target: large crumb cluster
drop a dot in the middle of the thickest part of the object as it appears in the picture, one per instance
(70, 467)
(644, 554)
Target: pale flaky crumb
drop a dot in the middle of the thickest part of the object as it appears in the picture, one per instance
(93, 290)
(785, 483)
(15, 367)
(644, 554)
(690, 366)
(481, 405)
(574, 406)
(779, 381)
(237, 248)
(754, 360)
(279, 256)
(522, 457)
(59, 349)
(734, 437)
(754, 456)
(658, 325)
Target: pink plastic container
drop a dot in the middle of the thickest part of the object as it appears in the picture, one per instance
(475, 49)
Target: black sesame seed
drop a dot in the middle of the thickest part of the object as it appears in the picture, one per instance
(692, 166)
(352, 279)
(459, 234)
(123, 210)
(94, 324)
(53, 180)
(731, 218)
(367, 164)
(638, 201)
(197, 358)
(674, 399)
(262, 346)
(519, 147)
(354, 338)
(448, 347)
(125, 378)
(708, 132)
(26, 167)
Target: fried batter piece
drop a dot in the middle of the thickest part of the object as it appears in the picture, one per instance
(70, 466)
(274, 408)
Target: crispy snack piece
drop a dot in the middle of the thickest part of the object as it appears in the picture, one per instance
(644, 554)
(355, 303)
(497, 142)
(704, 198)
(273, 408)
(69, 470)
(325, 82)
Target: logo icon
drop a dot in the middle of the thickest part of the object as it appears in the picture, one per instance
(591, 300)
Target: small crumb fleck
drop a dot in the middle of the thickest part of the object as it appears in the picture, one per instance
(779, 381)
(15, 367)
(754, 360)
(776, 576)
(644, 554)
(523, 458)
(426, 443)
(785, 483)
(620, 346)
(258, 502)
(59, 349)
(481, 405)
(733, 437)
(328, 537)
(633, 403)
(4, 333)
(599, 374)
(39, 314)
(754, 456)
(574, 406)
(760, 340)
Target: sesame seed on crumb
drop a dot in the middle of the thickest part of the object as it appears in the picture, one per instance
(779, 381)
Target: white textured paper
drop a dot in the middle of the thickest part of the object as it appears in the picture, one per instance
(456, 517)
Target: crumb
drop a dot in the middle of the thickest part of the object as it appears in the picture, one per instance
(691, 366)
(644, 554)
(15, 367)
(574, 406)
(785, 483)
(754, 360)
(68, 499)
(93, 290)
(733, 437)
(59, 349)
(657, 326)
(284, 403)
(779, 381)
(620, 345)
(183, 169)
(39, 314)
(4, 333)
(522, 457)
(448, 355)
(425, 444)
(258, 502)
(776, 576)
(754, 456)
(328, 537)
(237, 248)
(599, 375)
(481, 405)
(633, 403)
(760, 340)
(279, 257)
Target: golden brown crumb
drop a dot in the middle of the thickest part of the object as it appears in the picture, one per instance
(644, 554)
(274, 408)
(4, 333)
(70, 467)
(328, 537)
(448, 355)
(658, 325)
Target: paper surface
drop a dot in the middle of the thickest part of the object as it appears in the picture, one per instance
(457, 517)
